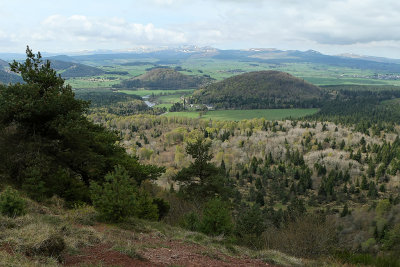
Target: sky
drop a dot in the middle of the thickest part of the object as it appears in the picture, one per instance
(364, 27)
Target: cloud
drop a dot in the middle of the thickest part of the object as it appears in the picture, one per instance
(287, 24)
(83, 29)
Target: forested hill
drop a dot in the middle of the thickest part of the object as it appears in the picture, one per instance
(261, 89)
(165, 78)
(70, 69)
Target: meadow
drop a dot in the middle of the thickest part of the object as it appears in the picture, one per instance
(237, 115)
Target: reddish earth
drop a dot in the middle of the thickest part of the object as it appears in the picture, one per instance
(155, 252)
(103, 254)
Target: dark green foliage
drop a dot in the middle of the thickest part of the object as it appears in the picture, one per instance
(176, 107)
(47, 145)
(392, 239)
(145, 208)
(345, 211)
(11, 203)
(191, 221)
(115, 199)
(217, 218)
(104, 98)
(202, 180)
(162, 207)
(364, 109)
(250, 225)
(264, 89)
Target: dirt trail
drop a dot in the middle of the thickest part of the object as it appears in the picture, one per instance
(158, 252)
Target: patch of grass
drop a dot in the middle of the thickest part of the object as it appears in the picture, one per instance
(185, 114)
(237, 115)
(167, 106)
(211, 255)
(269, 114)
(278, 258)
(130, 252)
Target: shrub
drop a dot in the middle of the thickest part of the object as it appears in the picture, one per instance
(309, 236)
(250, 225)
(115, 199)
(11, 203)
(190, 221)
(392, 239)
(144, 207)
(162, 207)
(216, 219)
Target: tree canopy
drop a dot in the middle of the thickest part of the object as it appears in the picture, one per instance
(47, 144)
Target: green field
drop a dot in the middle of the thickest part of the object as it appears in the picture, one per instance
(166, 93)
(236, 115)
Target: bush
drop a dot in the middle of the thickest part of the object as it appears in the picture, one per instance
(115, 199)
(144, 206)
(309, 236)
(162, 207)
(190, 221)
(250, 225)
(118, 198)
(392, 239)
(216, 219)
(11, 203)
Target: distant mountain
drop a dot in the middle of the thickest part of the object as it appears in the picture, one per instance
(71, 69)
(3, 64)
(260, 89)
(6, 77)
(370, 58)
(165, 78)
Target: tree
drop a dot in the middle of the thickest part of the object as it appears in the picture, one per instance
(201, 180)
(47, 144)
(216, 218)
(115, 198)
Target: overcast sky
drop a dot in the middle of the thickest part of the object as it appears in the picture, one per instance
(368, 27)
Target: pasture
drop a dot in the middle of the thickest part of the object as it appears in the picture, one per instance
(237, 115)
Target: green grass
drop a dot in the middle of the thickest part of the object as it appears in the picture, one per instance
(157, 92)
(236, 115)
(186, 114)
(167, 106)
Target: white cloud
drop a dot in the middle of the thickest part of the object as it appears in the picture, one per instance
(331, 25)
(92, 31)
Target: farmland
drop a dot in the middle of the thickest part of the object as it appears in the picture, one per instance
(236, 115)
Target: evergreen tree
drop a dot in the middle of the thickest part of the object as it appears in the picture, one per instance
(202, 180)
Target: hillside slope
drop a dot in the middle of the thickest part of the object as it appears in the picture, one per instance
(70, 69)
(165, 78)
(6, 77)
(3, 63)
(53, 236)
(261, 89)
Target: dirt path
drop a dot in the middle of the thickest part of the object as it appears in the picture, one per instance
(156, 252)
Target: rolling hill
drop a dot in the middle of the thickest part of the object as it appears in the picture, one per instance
(3, 63)
(261, 89)
(165, 78)
(71, 69)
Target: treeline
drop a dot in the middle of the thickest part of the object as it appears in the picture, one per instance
(104, 98)
(364, 109)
